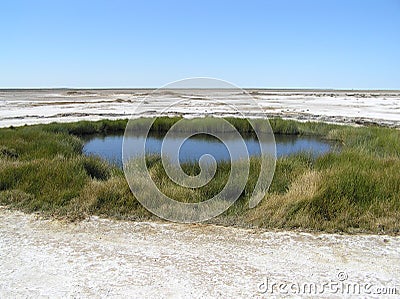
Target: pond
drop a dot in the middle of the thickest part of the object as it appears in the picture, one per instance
(109, 147)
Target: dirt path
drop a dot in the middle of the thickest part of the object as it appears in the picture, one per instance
(140, 259)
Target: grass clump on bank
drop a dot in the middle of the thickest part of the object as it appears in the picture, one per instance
(163, 124)
(42, 168)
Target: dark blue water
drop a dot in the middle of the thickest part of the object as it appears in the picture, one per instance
(110, 147)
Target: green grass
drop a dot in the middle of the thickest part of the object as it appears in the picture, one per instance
(163, 124)
(357, 189)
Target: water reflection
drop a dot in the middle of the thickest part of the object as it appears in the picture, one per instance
(109, 147)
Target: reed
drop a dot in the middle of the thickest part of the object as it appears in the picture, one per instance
(356, 189)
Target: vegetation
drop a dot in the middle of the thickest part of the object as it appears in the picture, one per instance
(163, 124)
(42, 168)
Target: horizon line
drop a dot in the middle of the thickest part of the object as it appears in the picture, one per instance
(206, 88)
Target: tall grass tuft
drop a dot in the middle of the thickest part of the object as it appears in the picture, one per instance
(356, 189)
(96, 168)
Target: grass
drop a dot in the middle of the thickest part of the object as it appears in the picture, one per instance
(42, 168)
(163, 124)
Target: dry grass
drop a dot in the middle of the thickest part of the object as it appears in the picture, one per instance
(279, 210)
(42, 168)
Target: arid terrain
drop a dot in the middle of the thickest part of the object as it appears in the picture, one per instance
(99, 257)
(19, 107)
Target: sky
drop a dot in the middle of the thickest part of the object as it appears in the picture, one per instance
(343, 44)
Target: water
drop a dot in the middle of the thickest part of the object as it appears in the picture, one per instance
(109, 147)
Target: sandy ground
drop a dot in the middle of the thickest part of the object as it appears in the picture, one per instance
(44, 106)
(99, 257)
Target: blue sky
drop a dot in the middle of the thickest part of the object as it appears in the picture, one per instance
(283, 44)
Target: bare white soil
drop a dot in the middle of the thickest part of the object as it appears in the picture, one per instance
(44, 106)
(98, 258)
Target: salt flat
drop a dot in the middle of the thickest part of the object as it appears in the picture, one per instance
(99, 257)
(19, 107)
